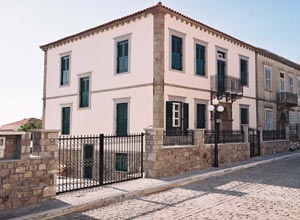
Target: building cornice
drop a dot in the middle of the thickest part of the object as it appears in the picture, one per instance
(143, 13)
(275, 57)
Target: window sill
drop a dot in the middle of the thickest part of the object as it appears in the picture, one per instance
(177, 71)
(64, 86)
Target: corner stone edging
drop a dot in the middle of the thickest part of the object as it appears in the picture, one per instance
(143, 192)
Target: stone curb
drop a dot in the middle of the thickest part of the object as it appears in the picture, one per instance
(138, 193)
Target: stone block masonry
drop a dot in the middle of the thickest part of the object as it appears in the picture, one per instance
(28, 179)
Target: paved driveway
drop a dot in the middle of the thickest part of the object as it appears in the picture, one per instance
(270, 191)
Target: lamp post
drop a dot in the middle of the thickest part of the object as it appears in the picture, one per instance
(215, 109)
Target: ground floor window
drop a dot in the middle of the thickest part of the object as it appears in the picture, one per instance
(269, 122)
(122, 119)
(177, 116)
(121, 162)
(201, 109)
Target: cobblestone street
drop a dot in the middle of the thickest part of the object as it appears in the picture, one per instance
(270, 191)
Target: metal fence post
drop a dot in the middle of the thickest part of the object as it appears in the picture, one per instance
(101, 158)
(142, 154)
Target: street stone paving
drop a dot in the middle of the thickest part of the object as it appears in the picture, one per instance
(269, 191)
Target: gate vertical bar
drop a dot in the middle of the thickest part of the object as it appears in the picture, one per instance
(101, 157)
(258, 142)
(142, 156)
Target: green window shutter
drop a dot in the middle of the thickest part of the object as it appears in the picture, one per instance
(66, 114)
(244, 116)
(176, 53)
(122, 118)
(200, 60)
(84, 92)
(64, 70)
(122, 58)
(169, 116)
(244, 71)
(201, 108)
(185, 116)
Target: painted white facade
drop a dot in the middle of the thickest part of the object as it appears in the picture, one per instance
(198, 87)
(95, 55)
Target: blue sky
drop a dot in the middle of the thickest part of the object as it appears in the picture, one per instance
(25, 25)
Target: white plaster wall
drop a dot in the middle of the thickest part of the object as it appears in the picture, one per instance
(188, 78)
(100, 118)
(96, 55)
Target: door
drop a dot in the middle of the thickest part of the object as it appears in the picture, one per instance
(88, 161)
(221, 76)
(122, 119)
(244, 116)
(201, 115)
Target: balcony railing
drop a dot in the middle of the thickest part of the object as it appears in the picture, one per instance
(287, 98)
(227, 86)
(171, 138)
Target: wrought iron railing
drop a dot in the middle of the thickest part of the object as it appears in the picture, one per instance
(95, 160)
(273, 135)
(171, 138)
(225, 136)
(287, 98)
(227, 86)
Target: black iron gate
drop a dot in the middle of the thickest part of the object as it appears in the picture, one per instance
(95, 160)
(254, 139)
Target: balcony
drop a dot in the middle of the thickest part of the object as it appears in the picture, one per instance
(287, 98)
(228, 87)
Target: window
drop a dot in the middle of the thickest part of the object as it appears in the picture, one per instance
(66, 119)
(298, 118)
(292, 118)
(84, 90)
(65, 70)
(200, 60)
(281, 82)
(177, 116)
(244, 116)
(201, 109)
(298, 86)
(122, 56)
(121, 162)
(291, 82)
(244, 71)
(177, 53)
(268, 78)
(269, 124)
(122, 119)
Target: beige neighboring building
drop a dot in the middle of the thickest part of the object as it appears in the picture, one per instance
(278, 91)
(14, 126)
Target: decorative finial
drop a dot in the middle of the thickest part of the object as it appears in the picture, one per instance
(159, 3)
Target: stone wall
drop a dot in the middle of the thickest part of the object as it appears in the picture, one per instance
(163, 161)
(272, 147)
(29, 180)
(233, 152)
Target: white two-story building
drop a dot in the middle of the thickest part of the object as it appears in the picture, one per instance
(154, 67)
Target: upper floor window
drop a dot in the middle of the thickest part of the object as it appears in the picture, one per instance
(65, 70)
(268, 78)
(122, 56)
(291, 82)
(298, 79)
(84, 90)
(177, 53)
(200, 60)
(244, 71)
(281, 82)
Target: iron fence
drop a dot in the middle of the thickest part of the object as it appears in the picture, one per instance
(171, 138)
(269, 135)
(95, 160)
(225, 136)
